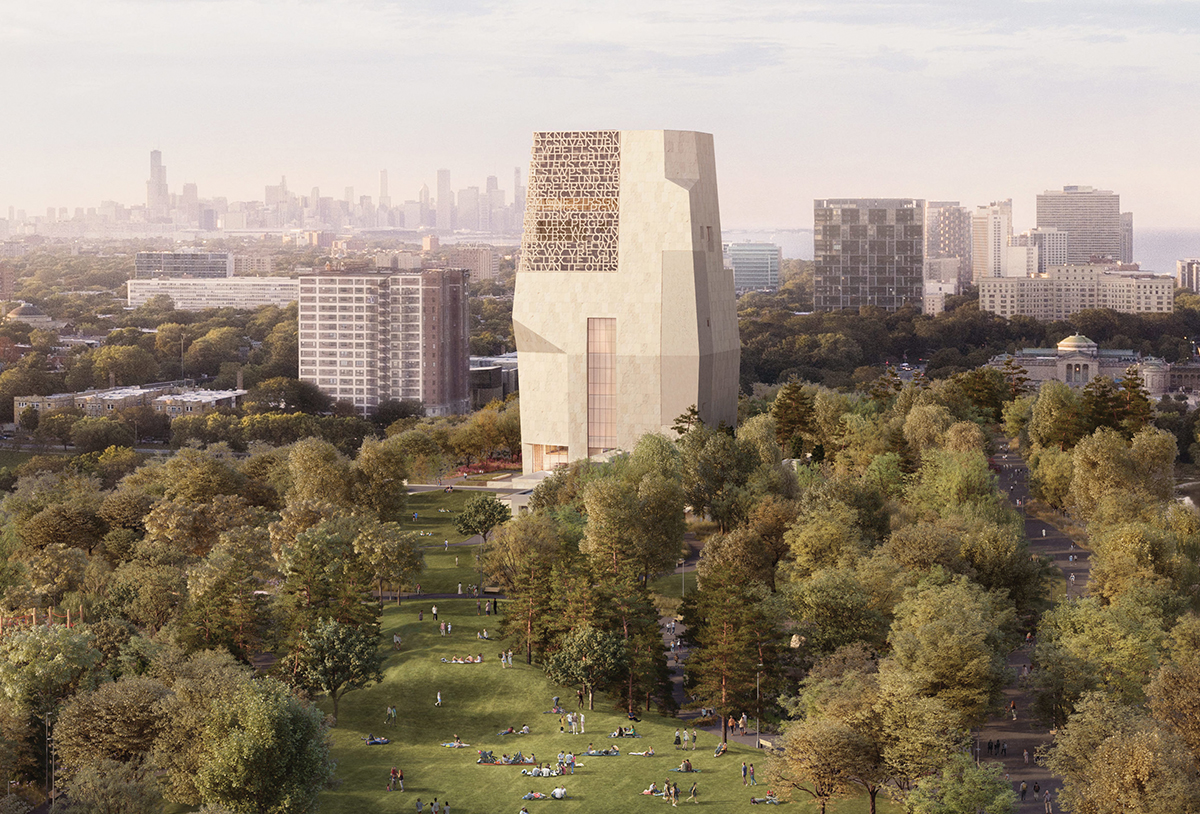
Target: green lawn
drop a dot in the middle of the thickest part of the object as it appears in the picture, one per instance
(442, 575)
(478, 701)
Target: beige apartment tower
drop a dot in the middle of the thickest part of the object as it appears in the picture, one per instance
(624, 314)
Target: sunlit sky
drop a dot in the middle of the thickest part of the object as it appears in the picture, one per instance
(944, 99)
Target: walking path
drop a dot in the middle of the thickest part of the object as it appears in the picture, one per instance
(1023, 733)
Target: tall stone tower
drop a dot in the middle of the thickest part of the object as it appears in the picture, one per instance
(624, 314)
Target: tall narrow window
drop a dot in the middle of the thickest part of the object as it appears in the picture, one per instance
(602, 387)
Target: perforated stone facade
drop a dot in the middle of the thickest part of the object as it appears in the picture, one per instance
(624, 314)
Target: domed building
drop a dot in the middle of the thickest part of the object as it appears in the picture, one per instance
(1077, 360)
(32, 316)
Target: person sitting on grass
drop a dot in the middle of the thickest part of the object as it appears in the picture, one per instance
(686, 766)
(534, 795)
(525, 729)
(509, 731)
(486, 757)
(770, 800)
(720, 750)
(559, 793)
(653, 789)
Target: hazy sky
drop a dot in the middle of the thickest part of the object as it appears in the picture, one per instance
(942, 99)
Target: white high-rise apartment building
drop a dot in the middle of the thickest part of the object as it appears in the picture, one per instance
(755, 265)
(367, 337)
(1090, 217)
(1187, 274)
(991, 235)
(624, 314)
(183, 263)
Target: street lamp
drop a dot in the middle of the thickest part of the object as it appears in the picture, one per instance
(757, 706)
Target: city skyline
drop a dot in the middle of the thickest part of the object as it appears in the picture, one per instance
(787, 89)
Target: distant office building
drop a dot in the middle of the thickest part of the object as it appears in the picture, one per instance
(1188, 274)
(185, 263)
(445, 202)
(755, 265)
(991, 235)
(934, 293)
(1051, 246)
(430, 243)
(367, 337)
(158, 197)
(1065, 290)
(1090, 217)
(948, 235)
(399, 260)
(467, 212)
(482, 261)
(1126, 237)
(223, 292)
(624, 314)
(252, 265)
(869, 252)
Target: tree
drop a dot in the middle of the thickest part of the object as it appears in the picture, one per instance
(588, 658)
(1057, 418)
(264, 753)
(98, 434)
(1135, 402)
(58, 424)
(963, 787)
(794, 412)
(520, 560)
(319, 472)
(40, 666)
(378, 477)
(948, 643)
(337, 658)
(390, 553)
(480, 515)
(286, 395)
(1114, 759)
(816, 759)
(730, 636)
(117, 721)
(110, 787)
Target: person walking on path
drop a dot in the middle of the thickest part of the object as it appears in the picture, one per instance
(692, 794)
(434, 609)
(1026, 757)
(1024, 790)
(1046, 799)
(742, 723)
(743, 773)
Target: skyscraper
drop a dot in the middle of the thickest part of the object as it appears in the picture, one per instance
(445, 202)
(158, 198)
(624, 315)
(368, 336)
(868, 252)
(1126, 237)
(948, 235)
(1090, 217)
(991, 234)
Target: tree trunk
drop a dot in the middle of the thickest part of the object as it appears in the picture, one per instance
(871, 792)
(336, 697)
(591, 700)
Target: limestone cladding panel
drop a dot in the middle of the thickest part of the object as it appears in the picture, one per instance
(676, 325)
